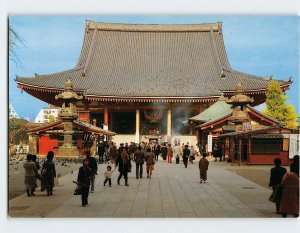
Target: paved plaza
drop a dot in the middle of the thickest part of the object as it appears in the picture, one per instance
(173, 191)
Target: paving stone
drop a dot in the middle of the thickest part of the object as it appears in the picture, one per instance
(172, 192)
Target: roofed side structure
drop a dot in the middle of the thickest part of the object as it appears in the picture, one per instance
(82, 125)
(150, 63)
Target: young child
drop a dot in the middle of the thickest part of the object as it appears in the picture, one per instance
(107, 174)
(203, 166)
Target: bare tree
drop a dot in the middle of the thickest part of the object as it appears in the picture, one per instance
(13, 44)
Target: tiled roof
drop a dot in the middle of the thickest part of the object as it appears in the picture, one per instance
(216, 110)
(151, 61)
(85, 126)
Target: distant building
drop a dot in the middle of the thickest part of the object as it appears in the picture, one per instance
(12, 112)
(47, 115)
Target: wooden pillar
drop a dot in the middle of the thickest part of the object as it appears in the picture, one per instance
(106, 115)
(249, 149)
(240, 150)
(111, 120)
(137, 126)
(169, 124)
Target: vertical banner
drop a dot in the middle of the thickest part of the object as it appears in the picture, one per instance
(209, 143)
(294, 145)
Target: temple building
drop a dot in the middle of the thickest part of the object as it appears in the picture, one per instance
(143, 81)
(244, 134)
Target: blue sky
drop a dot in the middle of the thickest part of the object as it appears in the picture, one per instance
(258, 45)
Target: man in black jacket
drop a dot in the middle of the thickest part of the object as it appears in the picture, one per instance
(94, 168)
(185, 155)
(277, 174)
(164, 151)
(156, 151)
(139, 158)
(83, 179)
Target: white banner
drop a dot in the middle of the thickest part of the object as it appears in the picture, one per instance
(294, 145)
(209, 143)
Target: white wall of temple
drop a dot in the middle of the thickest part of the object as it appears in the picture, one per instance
(123, 138)
(191, 139)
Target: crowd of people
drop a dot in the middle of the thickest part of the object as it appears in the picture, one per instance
(285, 185)
(140, 154)
(46, 175)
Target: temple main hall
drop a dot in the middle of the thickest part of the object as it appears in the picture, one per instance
(145, 81)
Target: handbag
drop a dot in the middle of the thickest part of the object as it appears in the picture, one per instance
(276, 194)
(77, 191)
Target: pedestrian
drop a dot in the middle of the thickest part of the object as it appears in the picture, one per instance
(94, 168)
(295, 165)
(123, 164)
(169, 153)
(107, 174)
(289, 203)
(48, 173)
(30, 175)
(84, 181)
(192, 156)
(156, 150)
(215, 151)
(101, 150)
(203, 167)
(139, 158)
(149, 158)
(113, 153)
(38, 167)
(277, 174)
(164, 151)
(177, 152)
(185, 155)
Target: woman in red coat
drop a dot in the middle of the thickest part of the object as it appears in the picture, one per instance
(290, 194)
(169, 153)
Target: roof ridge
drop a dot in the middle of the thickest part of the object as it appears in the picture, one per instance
(248, 75)
(205, 27)
(51, 74)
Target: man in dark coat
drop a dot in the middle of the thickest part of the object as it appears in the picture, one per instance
(277, 174)
(123, 164)
(101, 150)
(164, 151)
(156, 151)
(83, 179)
(139, 158)
(94, 168)
(185, 155)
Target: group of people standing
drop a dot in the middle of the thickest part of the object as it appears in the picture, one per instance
(285, 187)
(46, 176)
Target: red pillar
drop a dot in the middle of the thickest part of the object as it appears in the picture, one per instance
(105, 115)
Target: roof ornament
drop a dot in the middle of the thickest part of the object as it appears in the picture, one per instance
(222, 76)
(240, 98)
(220, 27)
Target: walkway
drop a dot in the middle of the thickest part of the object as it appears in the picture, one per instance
(173, 191)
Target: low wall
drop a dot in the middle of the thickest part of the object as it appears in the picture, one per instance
(268, 159)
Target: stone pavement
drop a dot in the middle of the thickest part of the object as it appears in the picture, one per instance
(173, 191)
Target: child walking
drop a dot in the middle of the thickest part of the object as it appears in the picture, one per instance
(107, 174)
(203, 166)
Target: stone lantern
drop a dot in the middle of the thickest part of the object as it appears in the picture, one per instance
(238, 102)
(68, 114)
